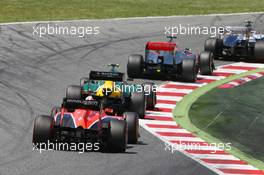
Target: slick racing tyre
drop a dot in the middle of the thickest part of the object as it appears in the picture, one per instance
(214, 45)
(132, 126)
(259, 50)
(206, 63)
(73, 92)
(134, 66)
(189, 73)
(151, 97)
(138, 103)
(43, 130)
(117, 139)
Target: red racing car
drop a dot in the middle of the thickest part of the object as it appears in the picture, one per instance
(87, 121)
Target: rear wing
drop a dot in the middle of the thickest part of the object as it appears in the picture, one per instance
(111, 76)
(85, 104)
(164, 46)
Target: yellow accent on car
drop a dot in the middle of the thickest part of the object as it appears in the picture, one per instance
(110, 85)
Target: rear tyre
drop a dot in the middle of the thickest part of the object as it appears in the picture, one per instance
(189, 73)
(151, 97)
(206, 63)
(214, 45)
(132, 126)
(73, 92)
(134, 66)
(42, 131)
(259, 50)
(138, 103)
(117, 140)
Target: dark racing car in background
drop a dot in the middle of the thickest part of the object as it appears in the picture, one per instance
(238, 43)
(166, 60)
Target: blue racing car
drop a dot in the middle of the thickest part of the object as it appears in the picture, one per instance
(164, 60)
(237, 43)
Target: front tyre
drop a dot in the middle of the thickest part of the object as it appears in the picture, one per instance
(206, 63)
(138, 103)
(214, 45)
(132, 126)
(73, 92)
(151, 96)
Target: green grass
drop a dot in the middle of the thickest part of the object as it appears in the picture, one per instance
(234, 115)
(32, 10)
(182, 117)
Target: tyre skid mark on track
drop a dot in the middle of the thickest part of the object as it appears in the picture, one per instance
(160, 123)
(92, 46)
(13, 89)
(21, 91)
(26, 130)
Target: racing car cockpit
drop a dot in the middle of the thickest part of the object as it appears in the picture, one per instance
(99, 82)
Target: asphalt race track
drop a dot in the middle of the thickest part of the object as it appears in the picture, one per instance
(34, 74)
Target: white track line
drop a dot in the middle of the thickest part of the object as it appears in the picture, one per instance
(233, 166)
(186, 84)
(133, 18)
(158, 122)
(249, 65)
(234, 83)
(174, 138)
(169, 98)
(246, 79)
(215, 156)
(200, 148)
(169, 130)
(257, 75)
(240, 174)
(158, 113)
(163, 105)
(186, 91)
(235, 71)
(211, 77)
